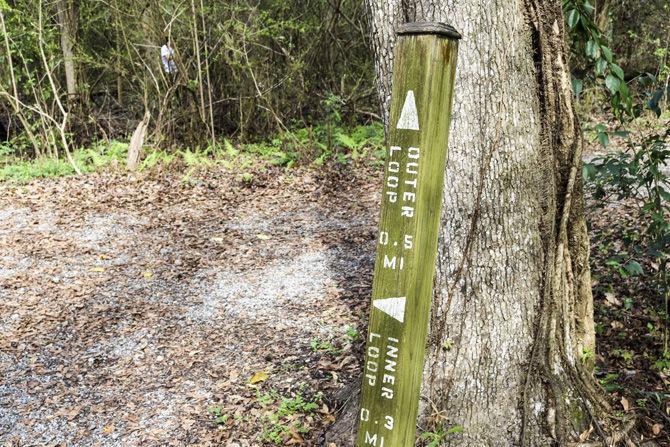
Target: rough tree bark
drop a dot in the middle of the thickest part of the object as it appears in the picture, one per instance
(513, 310)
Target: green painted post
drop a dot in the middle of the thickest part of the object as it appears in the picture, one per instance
(423, 83)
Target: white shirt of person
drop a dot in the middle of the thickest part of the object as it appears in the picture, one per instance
(167, 57)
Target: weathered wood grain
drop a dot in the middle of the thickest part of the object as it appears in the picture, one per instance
(424, 74)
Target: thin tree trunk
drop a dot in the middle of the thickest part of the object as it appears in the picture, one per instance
(513, 310)
(67, 17)
(196, 50)
(62, 126)
(209, 81)
(119, 78)
(15, 102)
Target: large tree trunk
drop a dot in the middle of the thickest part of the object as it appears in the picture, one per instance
(513, 311)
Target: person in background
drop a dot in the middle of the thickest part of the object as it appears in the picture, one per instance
(167, 58)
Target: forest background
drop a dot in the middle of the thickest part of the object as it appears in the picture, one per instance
(82, 72)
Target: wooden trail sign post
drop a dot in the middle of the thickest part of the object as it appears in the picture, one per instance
(423, 83)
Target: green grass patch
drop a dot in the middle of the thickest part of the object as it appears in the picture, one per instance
(22, 171)
(87, 160)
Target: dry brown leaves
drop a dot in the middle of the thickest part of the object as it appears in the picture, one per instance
(127, 304)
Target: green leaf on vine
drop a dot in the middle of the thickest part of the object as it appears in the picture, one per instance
(617, 71)
(607, 52)
(592, 49)
(604, 139)
(573, 18)
(601, 65)
(613, 83)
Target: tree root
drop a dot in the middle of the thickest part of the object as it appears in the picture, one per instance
(346, 404)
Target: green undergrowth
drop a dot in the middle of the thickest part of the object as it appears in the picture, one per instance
(87, 160)
(286, 418)
(317, 145)
(280, 419)
(439, 435)
(306, 146)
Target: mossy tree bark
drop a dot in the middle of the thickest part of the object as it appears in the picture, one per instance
(513, 310)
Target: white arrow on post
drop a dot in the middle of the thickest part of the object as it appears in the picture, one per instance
(393, 307)
(409, 117)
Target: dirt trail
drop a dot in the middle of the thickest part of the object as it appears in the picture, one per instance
(128, 307)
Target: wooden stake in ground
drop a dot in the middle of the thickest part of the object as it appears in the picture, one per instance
(136, 143)
(423, 80)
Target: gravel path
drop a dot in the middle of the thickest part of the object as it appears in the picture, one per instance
(128, 307)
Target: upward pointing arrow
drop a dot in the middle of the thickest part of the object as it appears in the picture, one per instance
(409, 118)
(393, 307)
